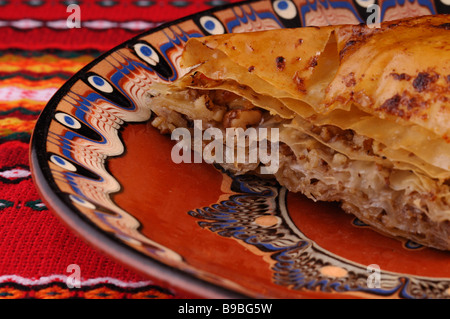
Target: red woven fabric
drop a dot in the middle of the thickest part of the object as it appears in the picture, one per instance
(36, 57)
(49, 16)
(35, 244)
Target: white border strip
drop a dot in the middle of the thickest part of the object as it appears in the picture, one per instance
(62, 278)
(28, 24)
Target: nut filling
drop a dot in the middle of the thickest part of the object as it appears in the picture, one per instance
(308, 165)
(373, 136)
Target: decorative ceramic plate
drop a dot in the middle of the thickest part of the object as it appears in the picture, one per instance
(108, 174)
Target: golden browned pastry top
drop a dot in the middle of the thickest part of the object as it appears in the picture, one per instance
(390, 83)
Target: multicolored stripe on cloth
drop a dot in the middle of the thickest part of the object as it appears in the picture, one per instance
(28, 79)
(55, 287)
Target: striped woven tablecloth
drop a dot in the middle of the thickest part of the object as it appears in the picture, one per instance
(38, 53)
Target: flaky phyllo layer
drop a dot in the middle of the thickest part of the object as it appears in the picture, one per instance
(363, 114)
